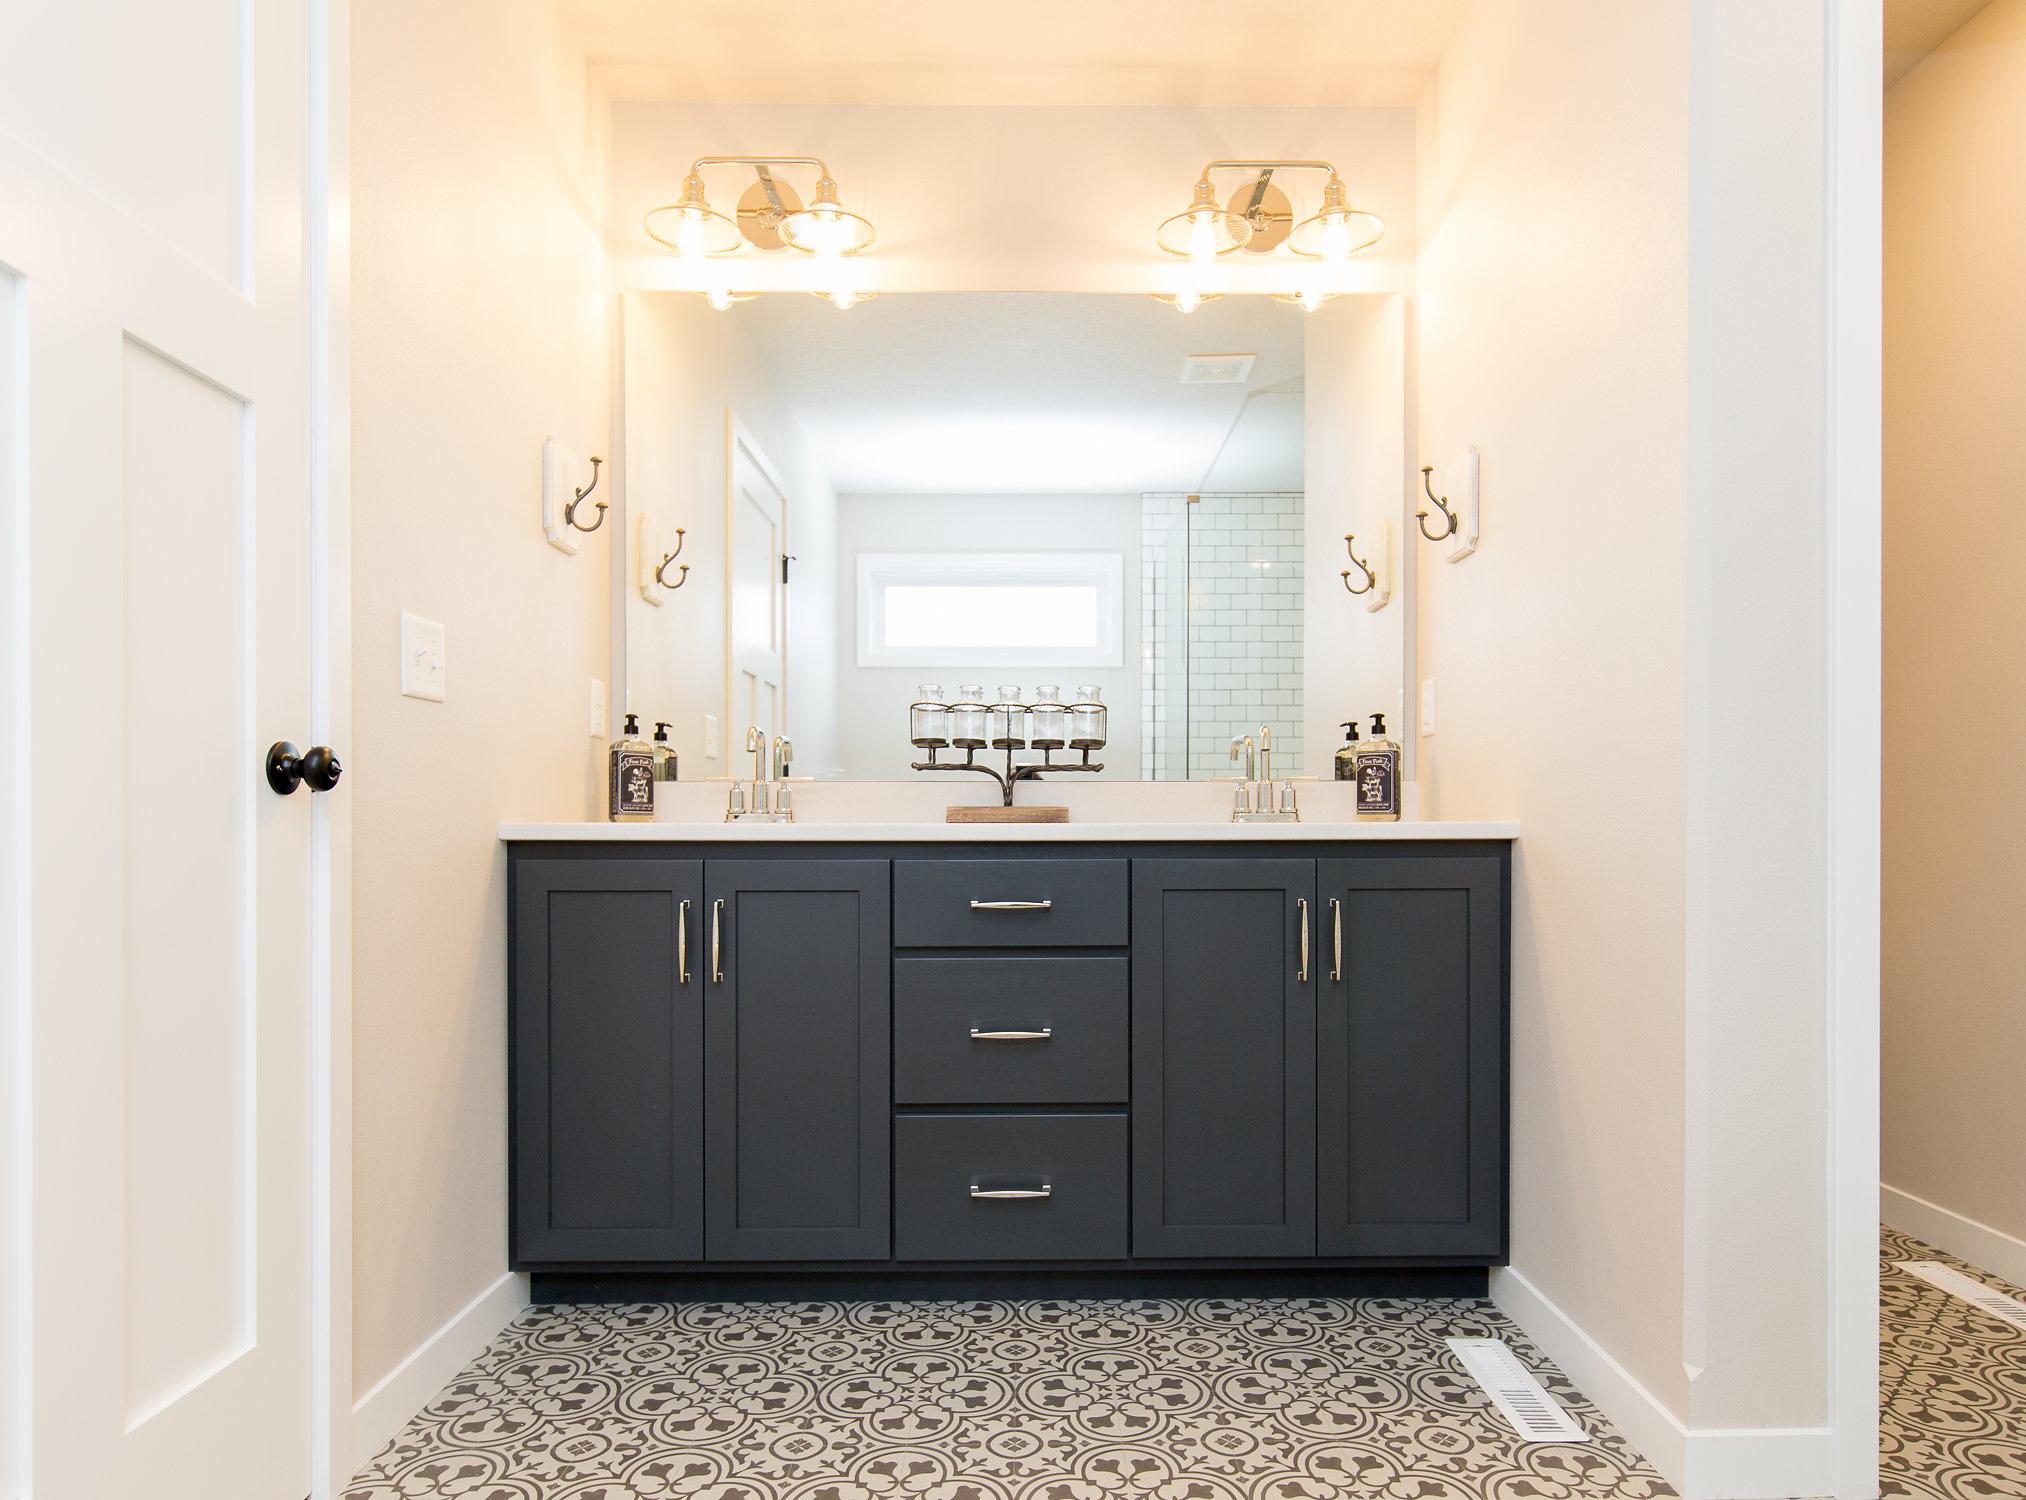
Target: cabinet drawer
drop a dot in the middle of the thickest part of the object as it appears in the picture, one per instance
(1069, 1170)
(941, 1005)
(1009, 903)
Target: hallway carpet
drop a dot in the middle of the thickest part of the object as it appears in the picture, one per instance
(1265, 1399)
(1951, 1385)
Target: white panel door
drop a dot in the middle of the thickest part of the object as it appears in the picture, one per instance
(162, 557)
(756, 595)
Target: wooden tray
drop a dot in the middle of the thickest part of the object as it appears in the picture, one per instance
(1007, 815)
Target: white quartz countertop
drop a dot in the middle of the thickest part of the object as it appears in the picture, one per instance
(997, 833)
(897, 812)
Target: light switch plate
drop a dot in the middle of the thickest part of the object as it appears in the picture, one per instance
(1427, 706)
(710, 736)
(421, 658)
(597, 709)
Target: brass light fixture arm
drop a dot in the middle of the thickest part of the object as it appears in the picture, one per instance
(570, 510)
(1371, 579)
(1441, 503)
(1267, 167)
(662, 567)
(696, 167)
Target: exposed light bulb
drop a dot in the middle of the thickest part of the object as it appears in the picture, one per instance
(720, 297)
(1186, 300)
(691, 242)
(1312, 299)
(1336, 238)
(843, 298)
(1203, 236)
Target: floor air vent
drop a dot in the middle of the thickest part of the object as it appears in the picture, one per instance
(1954, 1282)
(1535, 1415)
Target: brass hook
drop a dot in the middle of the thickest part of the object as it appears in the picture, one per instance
(1441, 504)
(570, 510)
(1371, 578)
(671, 557)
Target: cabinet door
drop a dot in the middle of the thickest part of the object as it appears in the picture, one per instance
(1223, 1058)
(607, 1061)
(1411, 1151)
(797, 1093)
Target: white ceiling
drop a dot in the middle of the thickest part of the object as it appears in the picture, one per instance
(1034, 392)
(1914, 28)
(1174, 52)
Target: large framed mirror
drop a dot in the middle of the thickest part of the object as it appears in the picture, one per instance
(832, 515)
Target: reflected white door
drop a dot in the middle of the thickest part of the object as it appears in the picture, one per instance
(756, 594)
(158, 559)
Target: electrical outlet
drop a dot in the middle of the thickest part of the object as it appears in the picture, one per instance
(597, 709)
(421, 658)
(1427, 706)
(710, 736)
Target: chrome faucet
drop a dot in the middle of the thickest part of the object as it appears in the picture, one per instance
(1257, 800)
(768, 801)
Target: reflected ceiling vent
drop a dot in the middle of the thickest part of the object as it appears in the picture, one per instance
(1217, 369)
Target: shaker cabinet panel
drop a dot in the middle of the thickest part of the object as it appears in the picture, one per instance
(1223, 1014)
(797, 1090)
(1411, 1065)
(607, 1062)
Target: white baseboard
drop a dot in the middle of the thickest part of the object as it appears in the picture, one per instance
(1982, 1246)
(384, 1410)
(1754, 1463)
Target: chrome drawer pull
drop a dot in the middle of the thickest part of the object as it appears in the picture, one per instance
(682, 944)
(1012, 1036)
(717, 942)
(1302, 977)
(1041, 1192)
(1011, 905)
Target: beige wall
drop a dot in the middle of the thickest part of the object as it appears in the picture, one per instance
(1624, 273)
(1555, 260)
(478, 327)
(1955, 450)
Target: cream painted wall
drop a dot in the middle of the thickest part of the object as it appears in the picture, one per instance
(1622, 289)
(1554, 265)
(954, 191)
(479, 325)
(686, 364)
(1955, 815)
(872, 701)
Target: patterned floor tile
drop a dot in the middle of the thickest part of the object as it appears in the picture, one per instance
(1951, 1388)
(1254, 1399)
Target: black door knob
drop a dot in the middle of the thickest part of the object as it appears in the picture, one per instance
(286, 769)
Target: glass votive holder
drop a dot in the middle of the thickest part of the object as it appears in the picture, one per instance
(929, 718)
(1048, 719)
(1009, 720)
(1088, 720)
(968, 718)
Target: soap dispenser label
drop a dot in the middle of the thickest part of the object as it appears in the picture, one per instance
(632, 783)
(1378, 782)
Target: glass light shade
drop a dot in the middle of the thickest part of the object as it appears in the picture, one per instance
(823, 228)
(844, 298)
(1186, 302)
(1205, 230)
(1338, 231)
(691, 227)
(1309, 301)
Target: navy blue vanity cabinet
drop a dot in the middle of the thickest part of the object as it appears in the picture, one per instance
(607, 1061)
(1224, 1057)
(1411, 1059)
(797, 1090)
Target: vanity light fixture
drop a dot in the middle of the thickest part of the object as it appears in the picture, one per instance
(721, 299)
(1208, 229)
(1187, 301)
(844, 298)
(1309, 300)
(693, 229)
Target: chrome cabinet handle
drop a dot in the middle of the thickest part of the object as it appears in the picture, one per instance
(1012, 1036)
(1336, 942)
(1041, 1192)
(682, 944)
(1302, 976)
(1011, 905)
(717, 946)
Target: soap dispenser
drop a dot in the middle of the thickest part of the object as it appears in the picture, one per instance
(664, 753)
(1347, 753)
(1378, 776)
(630, 776)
